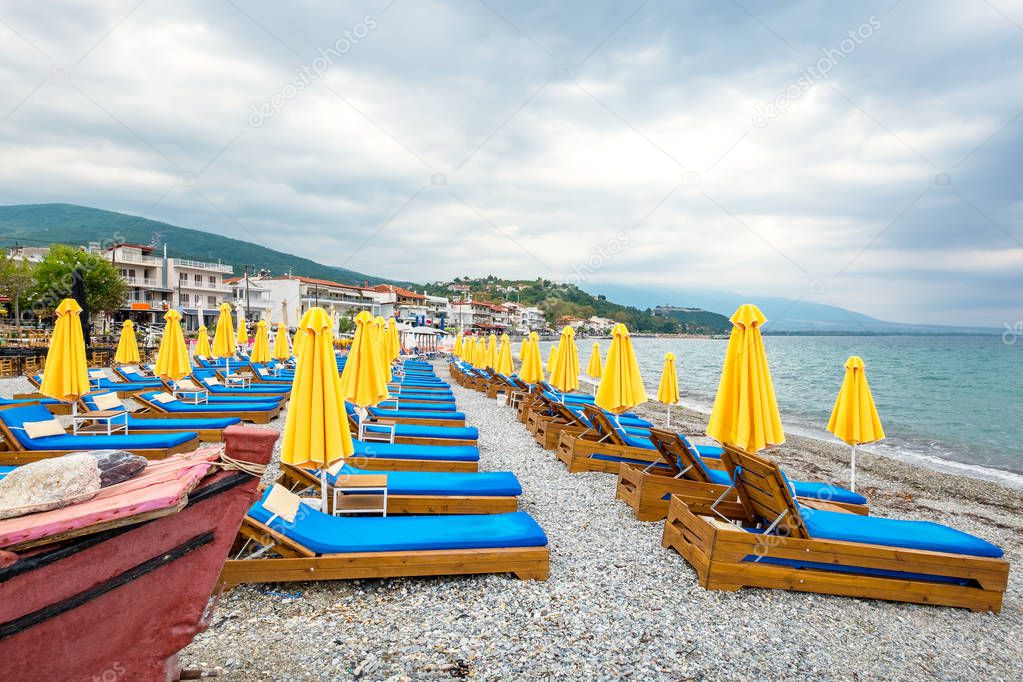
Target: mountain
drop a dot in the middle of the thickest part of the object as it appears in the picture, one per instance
(44, 224)
(785, 315)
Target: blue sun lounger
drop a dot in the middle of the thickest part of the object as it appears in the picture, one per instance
(209, 429)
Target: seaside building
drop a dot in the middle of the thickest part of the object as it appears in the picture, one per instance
(251, 296)
(599, 325)
(291, 295)
(524, 319)
(157, 283)
(480, 316)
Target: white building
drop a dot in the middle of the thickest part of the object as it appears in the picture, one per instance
(524, 319)
(290, 296)
(252, 296)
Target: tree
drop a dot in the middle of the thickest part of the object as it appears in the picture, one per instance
(16, 280)
(105, 291)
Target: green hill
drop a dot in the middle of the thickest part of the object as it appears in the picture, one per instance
(559, 299)
(44, 224)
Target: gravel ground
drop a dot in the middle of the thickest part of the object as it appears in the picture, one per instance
(619, 605)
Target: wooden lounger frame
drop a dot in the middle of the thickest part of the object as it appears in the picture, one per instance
(576, 450)
(416, 421)
(298, 563)
(646, 489)
(155, 411)
(120, 394)
(15, 454)
(415, 504)
(718, 551)
(410, 440)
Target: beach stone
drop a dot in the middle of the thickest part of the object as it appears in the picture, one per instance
(49, 484)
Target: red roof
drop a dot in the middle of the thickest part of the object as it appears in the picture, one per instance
(403, 293)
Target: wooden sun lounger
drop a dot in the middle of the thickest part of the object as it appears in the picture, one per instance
(55, 408)
(155, 411)
(298, 563)
(576, 450)
(389, 419)
(550, 421)
(413, 504)
(32, 380)
(726, 557)
(647, 489)
(16, 454)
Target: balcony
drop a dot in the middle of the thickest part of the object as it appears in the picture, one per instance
(143, 282)
(130, 257)
(200, 265)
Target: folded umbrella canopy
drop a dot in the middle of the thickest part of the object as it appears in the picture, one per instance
(457, 350)
(393, 342)
(223, 339)
(261, 346)
(481, 353)
(594, 369)
(745, 412)
(552, 358)
(621, 387)
(531, 370)
(127, 352)
(854, 418)
(362, 384)
(504, 357)
(202, 343)
(316, 431)
(490, 359)
(66, 377)
(282, 349)
(379, 335)
(243, 331)
(565, 374)
(172, 358)
(523, 346)
(667, 390)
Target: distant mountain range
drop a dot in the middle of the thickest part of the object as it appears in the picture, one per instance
(43, 224)
(785, 315)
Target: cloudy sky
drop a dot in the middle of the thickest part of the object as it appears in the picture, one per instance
(863, 154)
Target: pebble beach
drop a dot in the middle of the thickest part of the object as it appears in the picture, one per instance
(617, 604)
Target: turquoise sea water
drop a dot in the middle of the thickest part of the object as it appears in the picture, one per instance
(942, 399)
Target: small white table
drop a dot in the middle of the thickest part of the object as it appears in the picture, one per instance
(237, 381)
(100, 418)
(192, 396)
(360, 494)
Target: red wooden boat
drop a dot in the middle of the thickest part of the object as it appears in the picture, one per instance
(120, 602)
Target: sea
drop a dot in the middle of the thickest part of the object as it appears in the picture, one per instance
(953, 403)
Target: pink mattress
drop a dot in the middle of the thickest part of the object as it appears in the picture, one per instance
(163, 485)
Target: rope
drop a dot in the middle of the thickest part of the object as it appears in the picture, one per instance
(228, 463)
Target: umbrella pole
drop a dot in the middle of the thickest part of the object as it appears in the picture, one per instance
(852, 470)
(323, 490)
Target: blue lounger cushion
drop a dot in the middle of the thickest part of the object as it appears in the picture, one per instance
(813, 490)
(415, 414)
(107, 384)
(25, 401)
(876, 530)
(16, 417)
(416, 405)
(259, 389)
(4, 470)
(137, 424)
(484, 484)
(326, 534)
(440, 453)
(183, 407)
(418, 431)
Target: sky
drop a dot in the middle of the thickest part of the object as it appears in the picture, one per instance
(865, 155)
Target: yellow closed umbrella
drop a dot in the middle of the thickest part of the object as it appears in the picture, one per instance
(490, 359)
(316, 430)
(854, 418)
(457, 350)
(362, 384)
(172, 357)
(552, 358)
(202, 343)
(380, 338)
(66, 377)
(261, 345)
(531, 370)
(469, 350)
(281, 346)
(296, 344)
(223, 339)
(745, 412)
(127, 346)
(481, 353)
(667, 390)
(565, 375)
(393, 342)
(595, 368)
(621, 387)
(523, 346)
(243, 332)
(504, 357)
